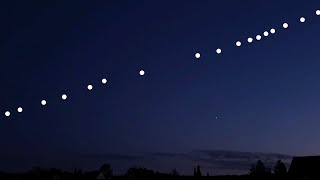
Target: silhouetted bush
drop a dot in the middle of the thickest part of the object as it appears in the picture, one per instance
(106, 170)
(139, 172)
(174, 172)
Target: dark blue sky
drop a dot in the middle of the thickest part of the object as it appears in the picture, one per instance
(267, 94)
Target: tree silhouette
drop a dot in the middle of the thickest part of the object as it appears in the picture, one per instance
(252, 169)
(259, 169)
(174, 172)
(77, 171)
(106, 170)
(208, 174)
(280, 169)
(194, 172)
(36, 171)
(198, 173)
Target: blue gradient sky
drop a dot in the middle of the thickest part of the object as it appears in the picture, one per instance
(266, 93)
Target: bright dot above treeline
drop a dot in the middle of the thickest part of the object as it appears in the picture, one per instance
(43, 102)
(7, 113)
(272, 31)
(64, 97)
(141, 72)
(258, 37)
(19, 109)
(197, 55)
(104, 81)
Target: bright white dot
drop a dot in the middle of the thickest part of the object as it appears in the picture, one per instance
(19, 109)
(64, 97)
(43, 102)
(302, 19)
(273, 31)
(238, 43)
(219, 51)
(90, 87)
(141, 72)
(7, 113)
(104, 81)
(285, 25)
(197, 55)
(318, 12)
(250, 40)
(266, 33)
(258, 37)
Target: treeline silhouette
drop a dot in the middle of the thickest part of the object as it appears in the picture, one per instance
(257, 171)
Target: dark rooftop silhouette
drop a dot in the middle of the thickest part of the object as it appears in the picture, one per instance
(307, 166)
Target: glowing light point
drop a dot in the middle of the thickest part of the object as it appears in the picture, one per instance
(90, 87)
(250, 40)
(266, 33)
(238, 43)
(43, 102)
(219, 51)
(197, 55)
(318, 12)
(285, 25)
(7, 113)
(272, 31)
(258, 37)
(104, 81)
(20, 109)
(302, 19)
(64, 97)
(141, 72)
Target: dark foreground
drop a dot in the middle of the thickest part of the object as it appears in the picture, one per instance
(94, 177)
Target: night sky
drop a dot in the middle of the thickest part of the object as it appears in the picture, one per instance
(259, 97)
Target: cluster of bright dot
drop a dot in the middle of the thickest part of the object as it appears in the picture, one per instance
(64, 96)
(259, 37)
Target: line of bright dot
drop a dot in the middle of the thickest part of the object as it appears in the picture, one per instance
(44, 102)
(197, 55)
(259, 37)
(64, 96)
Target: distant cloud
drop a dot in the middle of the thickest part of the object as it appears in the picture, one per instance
(170, 155)
(111, 157)
(227, 160)
(212, 161)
